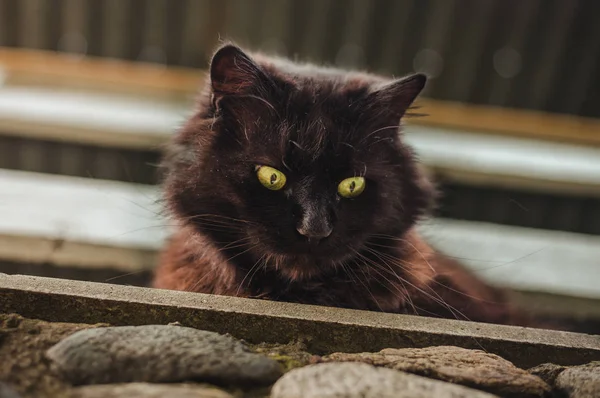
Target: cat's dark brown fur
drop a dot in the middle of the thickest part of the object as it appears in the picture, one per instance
(318, 126)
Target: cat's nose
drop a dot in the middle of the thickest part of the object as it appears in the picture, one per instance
(315, 233)
(314, 220)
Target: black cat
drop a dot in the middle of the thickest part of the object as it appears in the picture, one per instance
(291, 182)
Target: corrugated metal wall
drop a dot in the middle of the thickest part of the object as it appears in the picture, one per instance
(535, 54)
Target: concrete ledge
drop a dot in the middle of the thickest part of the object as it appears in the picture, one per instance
(323, 329)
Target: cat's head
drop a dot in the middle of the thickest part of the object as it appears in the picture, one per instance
(297, 163)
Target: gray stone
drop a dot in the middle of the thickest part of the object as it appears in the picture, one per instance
(7, 392)
(580, 381)
(472, 368)
(359, 380)
(148, 390)
(159, 353)
(547, 372)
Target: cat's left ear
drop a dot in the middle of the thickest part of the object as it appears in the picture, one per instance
(396, 97)
(232, 72)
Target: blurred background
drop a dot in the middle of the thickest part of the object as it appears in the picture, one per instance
(90, 90)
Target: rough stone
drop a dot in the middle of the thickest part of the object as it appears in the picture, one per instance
(159, 353)
(148, 390)
(547, 372)
(359, 380)
(11, 321)
(23, 365)
(580, 381)
(7, 392)
(472, 368)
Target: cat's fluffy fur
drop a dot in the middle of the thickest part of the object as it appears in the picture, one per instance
(318, 126)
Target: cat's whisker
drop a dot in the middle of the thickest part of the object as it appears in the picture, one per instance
(437, 297)
(420, 253)
(226, 231)
(369, 290)
(380, 140)
(193, 287)
(348, 145)
(263, 266)
(218, 227)
(349, 270)
(237, 293)
(499, 262)
(433, 280)
(264, 101)
(124, 275)
(408, 266)
(131, 231)
(242, 252)
(505, 263)
(218, 216)
(367, 136)
(425, 259)
(236, 244)
(403, 293)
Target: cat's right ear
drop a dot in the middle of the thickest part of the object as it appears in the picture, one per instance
(395, 98)
(232, 72)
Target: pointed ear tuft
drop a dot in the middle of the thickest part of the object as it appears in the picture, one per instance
(233, 72)
(399, 95)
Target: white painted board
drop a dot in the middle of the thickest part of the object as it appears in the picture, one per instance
(120, 223)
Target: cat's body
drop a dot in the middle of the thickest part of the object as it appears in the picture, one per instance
(302, 235)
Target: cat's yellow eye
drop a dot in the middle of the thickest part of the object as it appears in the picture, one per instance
(271, 178)
(351, 187)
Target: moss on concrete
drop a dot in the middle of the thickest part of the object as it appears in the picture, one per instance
(290, 356)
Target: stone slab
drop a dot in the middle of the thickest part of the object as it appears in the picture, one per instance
(324, 330)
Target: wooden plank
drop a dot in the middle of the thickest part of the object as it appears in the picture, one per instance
(89, 223)
(78, 222)
(493, 160)
(522, 258)
(49, 68)
(466, 157)
(88, 118)
(103, 74)
(506, 121)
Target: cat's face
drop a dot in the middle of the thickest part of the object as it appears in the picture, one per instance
(297, 167)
